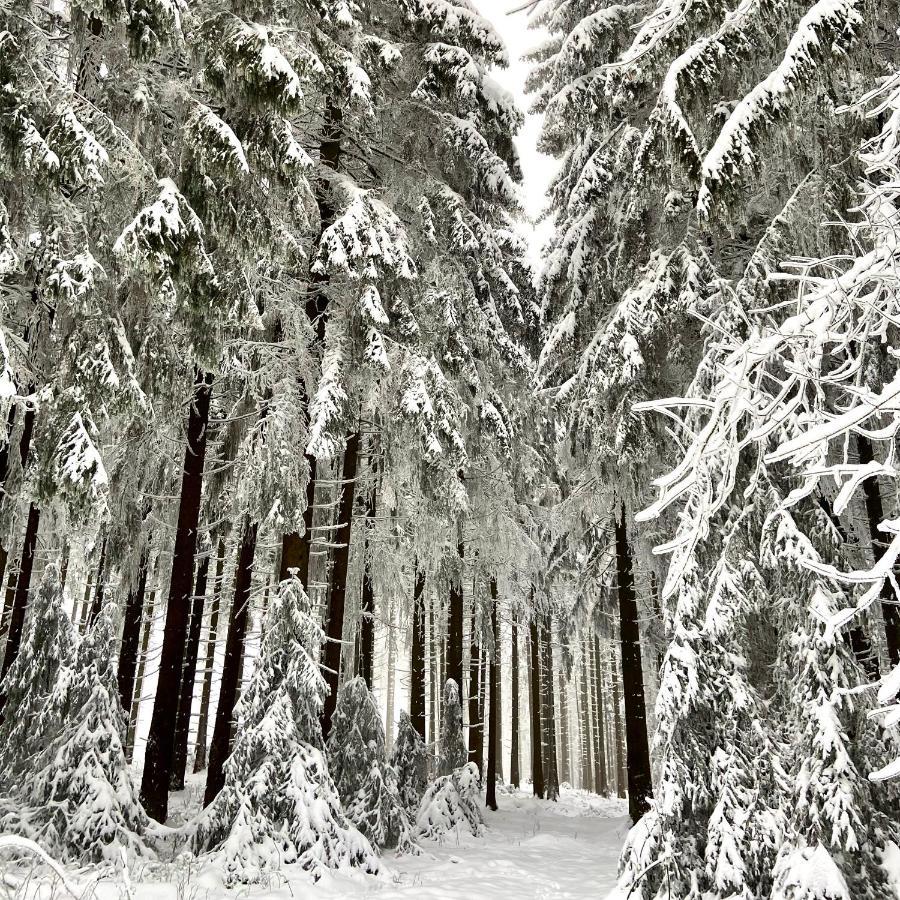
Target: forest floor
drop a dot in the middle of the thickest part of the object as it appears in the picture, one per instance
(531, 850)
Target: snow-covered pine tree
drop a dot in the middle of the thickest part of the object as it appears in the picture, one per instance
(73, 793)
(452, 802)
(366, 781)
(279, 803)
(453, 747)
(409, 759)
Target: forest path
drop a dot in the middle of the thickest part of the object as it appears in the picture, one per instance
(532, 849)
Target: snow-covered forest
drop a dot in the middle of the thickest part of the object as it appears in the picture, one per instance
(363, 532)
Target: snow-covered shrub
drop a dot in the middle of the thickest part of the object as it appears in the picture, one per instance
(72, 791)
(410, 761)
(279, 804)
(451, 803)
(366, 783)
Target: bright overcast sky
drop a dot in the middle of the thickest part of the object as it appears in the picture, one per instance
(538, 169)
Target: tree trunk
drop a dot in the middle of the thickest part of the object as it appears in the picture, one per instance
(99, 587)
(417, 661)
(334, 631)
(601, 768)
(621, 764)
(24, 448)
(476, 727)
(188, 676)
(551, 771)
(455, 631)
(588, 722)
(211, 641)
(135, 706)
(20, 599)
(537, 763)
(434, 723)
(640, 784)
(161, 739)
(875, 514)
(391, 675)
(494, 708)
(514, 776)
(565, 773)
(131, 634)
(234, 655)
(367, 619)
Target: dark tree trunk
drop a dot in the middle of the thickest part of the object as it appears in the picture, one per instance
(551, 770)
(455, 631)
(619, 737)
(211, 640)
(434, 722)
(476, 727)
(537, 762)
(334, 631)
(161, 739)
(231, 670)
(875, 514)
(367, 619)
(20, 599)
(640, 784)
(494, 708)
(131, 635)
(139, 679)
(188, 676)
(99, 587)
(601, 777)
(417, 662)
(296, 548)
(514, 776)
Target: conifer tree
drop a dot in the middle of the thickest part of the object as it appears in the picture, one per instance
(409, 759)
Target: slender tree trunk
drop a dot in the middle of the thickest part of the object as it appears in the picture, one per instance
(391, 680)
(551, 771)
(494, 708)
(20, 599)
(135, 705)
(99, 587)
(161, 739)
(367, 619)
(514, 776)
(24, 449)
(9, 596)
(622, 772)
(537, 762)
(455, 631)
(588, 722)
(188, 676)
(875, 514)
(434, 677)
(211, 641)
(131, 634)
(640, 783)
(334, 631)
(234, 655)
(601, 768)
(417, 661)
(565, 773)
(476, 728)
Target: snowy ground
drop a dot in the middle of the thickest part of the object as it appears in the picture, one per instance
(532, 849)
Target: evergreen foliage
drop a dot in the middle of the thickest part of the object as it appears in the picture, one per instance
(409, 759)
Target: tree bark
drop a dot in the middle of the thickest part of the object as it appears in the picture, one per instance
(99, 587)
(640, 784)
(334, 631)
(476, 727)
(367, 619)
(234, 655)
(619, 737)
(434, 723)
(875, 514)
(494, 708)
(211, 641)
(588, 721)
(514, 776)
(391, 674)
(551, 771)
(455, 630)
(417, 661)
(161, 739)
(537, 763)
(20, 599)
(564, 769)
(188, 676)
(131, 634)
(134, 708)
(601, 767)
